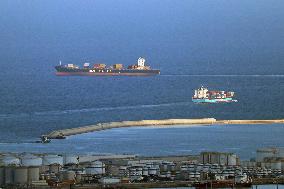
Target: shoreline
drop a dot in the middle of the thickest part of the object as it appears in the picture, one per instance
(57, 134)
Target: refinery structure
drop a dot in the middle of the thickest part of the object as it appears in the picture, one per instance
(208, 169)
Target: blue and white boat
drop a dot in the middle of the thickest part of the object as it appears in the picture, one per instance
(203, 95)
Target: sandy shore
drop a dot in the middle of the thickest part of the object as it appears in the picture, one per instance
(160, 123)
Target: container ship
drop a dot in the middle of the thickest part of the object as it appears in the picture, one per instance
(203, 95)
(138, 69)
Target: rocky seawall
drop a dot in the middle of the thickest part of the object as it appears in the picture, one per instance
(143, 123)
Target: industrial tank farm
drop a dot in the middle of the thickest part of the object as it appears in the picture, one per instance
(130, 171)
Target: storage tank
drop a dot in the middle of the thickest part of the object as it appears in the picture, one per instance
(153, 171)
(33, 174)
(96, 168)
(197, 175)
(20, 175)
(133, 172)
(232, 159)
(9, 175)
(123, 171)
(223, 159)
(31, 160)
(2, 176)
(164, 166)
(52, 159)
(140, 171)
(11, 161)
(184, 168)
(145, 171)
(204, 157)
(214, 157)
(263, 153)
(191, 175)
(70, 159)
(171, 166)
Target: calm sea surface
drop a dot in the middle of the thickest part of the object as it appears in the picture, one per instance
(151, 141)
(46, 102)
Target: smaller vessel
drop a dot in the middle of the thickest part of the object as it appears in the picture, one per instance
(203, 95)
(44, 139)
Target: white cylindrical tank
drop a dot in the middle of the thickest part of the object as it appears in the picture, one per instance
(145, 171)
(140, 171)
(223, 159)
(197, 175)
(191, 175)
(171, 167)
(164, 166)
(232, 159)
(133, 172)
(10, 161)
(9, 175)
(214, 157)
(204, 157)
(33, 174)
(20, 175)
(96, 168)
(52, 159)
(153, 171)
(31, 160)
(183, 168)
(263, 153)
(70, 159)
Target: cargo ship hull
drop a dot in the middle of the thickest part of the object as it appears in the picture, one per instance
(206, 100)
(65, 71)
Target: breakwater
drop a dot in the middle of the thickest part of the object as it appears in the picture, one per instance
(166, 122)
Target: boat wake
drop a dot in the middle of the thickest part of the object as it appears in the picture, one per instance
(86, 110)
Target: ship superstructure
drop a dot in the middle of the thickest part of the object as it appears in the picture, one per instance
(138, 69)
(203, 95)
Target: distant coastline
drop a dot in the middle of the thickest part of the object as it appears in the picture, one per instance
(143, 123)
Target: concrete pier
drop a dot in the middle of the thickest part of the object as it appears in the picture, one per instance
(166, 122)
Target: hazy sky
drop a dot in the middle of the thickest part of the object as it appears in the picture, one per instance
(192, 34)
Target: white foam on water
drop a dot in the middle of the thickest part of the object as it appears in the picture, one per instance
(86, 110)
